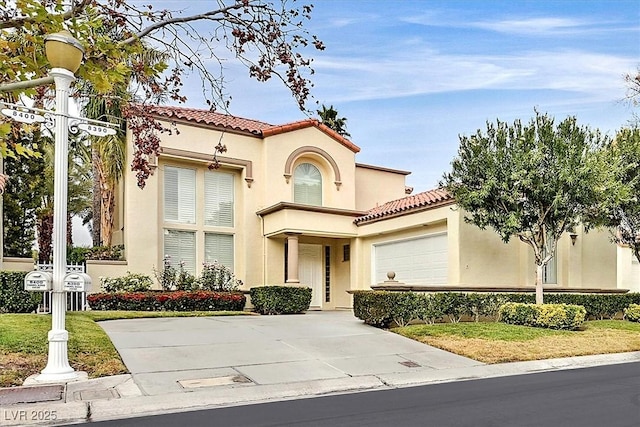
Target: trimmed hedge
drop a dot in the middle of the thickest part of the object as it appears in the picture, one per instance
(382, 308)
(168, 301)
(280, 299)
(552, 316)
(13, 297)
(632, 313)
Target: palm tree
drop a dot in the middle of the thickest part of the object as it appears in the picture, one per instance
(108, 153)
(329, 117)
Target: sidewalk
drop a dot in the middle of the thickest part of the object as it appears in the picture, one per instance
(197, 363)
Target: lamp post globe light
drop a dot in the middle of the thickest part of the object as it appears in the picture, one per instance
(64, 54)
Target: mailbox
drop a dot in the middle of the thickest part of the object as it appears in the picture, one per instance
(77, 282)
(38, 281)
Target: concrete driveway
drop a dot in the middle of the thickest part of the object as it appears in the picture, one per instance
(173, 355)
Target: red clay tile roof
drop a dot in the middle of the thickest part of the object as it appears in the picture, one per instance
(211, 118)
(240, 124)
(275, 130)
(421, 201)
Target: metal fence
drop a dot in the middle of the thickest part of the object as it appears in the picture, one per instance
(76, 301)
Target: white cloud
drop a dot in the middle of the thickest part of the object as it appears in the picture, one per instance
(417, 72)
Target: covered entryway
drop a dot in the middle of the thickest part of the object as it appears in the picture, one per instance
(310, 269)
(417, 261)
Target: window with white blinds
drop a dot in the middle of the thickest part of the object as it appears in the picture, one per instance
(307, 185)
(180, 246)
(179, 195)
(218, 199)
(219, 247)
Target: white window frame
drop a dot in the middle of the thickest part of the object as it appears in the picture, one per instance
(186, 194)
(190, 265)
(295, 180)
(229, 260)
(215, 193)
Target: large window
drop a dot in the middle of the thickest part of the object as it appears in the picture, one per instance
(218, 199)
(179, 195)
(198, 217)
(219, 247)
(307, 185)
(180, 246)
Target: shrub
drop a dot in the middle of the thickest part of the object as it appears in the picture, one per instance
(13, 297)
(108, 253)
(375, 308)
(553, 316)
(453, 305)
(130, 283)
(428, 310)
(171, 279)
(487, 305)
(168, 301)
(598, 306)
(280, 299)
(632, 313)
(217, 277)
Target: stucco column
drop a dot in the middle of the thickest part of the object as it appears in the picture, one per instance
(292, 258)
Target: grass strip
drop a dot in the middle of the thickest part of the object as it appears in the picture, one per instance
(494, 342)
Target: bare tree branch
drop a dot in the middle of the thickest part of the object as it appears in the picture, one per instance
(182, 20)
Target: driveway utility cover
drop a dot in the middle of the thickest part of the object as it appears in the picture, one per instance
(44, 393)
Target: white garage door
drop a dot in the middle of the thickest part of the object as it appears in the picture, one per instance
(420, 261)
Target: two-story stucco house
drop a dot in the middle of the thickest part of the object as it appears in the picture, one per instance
(290, 204)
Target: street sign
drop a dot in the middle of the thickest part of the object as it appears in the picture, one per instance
(22, 116)
(96, 130)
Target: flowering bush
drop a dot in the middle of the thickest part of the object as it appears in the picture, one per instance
(130, 283)
(217, 277)
(168, 301)
(171, 279)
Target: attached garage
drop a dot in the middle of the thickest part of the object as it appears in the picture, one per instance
(417, 261)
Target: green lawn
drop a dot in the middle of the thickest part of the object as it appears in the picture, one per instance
(24, 346)
(494, 342)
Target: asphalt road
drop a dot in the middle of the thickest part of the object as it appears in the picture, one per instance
(601, 396)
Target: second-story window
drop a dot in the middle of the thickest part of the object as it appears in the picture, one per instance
(180, 195)
(218, 199)
(307, 185)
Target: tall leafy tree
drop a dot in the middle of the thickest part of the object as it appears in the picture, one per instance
(329, 116)
(531, 181)
(621, 208)
(23, 195)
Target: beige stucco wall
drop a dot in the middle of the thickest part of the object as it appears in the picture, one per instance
(376, 187)
(484, 259)
(97, 269)
(480, 258)
(278, 148)
(17, 264)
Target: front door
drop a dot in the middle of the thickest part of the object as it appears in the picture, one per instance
(310, 271)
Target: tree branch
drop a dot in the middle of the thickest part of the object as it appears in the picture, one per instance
(18, 22)
(182, 20)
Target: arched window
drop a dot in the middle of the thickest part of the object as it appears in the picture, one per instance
(307, 185)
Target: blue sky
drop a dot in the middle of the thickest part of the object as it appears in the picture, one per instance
(411, 76)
